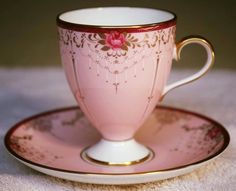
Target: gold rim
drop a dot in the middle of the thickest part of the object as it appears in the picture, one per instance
(14, 154)
(87, 158)
(66, 24)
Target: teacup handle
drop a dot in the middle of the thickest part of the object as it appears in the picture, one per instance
(176, 55)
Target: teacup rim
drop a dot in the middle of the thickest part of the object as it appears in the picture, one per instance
(104, 28)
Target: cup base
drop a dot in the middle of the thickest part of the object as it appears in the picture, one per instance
(117, 153)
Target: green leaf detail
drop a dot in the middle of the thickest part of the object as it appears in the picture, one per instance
(125, 34)
(105, 48)
(127, 43)
(102, 35)
(124, 48)
(135, 40)
(90, 36)
(101, 42)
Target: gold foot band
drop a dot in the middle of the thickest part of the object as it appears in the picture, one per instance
(87, 158)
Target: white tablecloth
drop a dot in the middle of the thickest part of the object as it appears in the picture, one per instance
(24, 92)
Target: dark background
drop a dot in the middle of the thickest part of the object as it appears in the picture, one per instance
(29, 35)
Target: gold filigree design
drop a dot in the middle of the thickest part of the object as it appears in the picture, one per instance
(150, 97)
(74, 120)
(28, 161)
(22, 145)
(109, 50)
(115, 44)
(164, 37)
(67, 37)
(211, 137)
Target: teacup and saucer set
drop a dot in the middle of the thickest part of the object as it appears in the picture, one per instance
(117, 61)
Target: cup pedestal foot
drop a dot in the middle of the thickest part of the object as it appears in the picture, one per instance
(117, 153)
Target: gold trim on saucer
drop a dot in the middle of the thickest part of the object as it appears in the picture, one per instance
(87, 158)
(154, 171)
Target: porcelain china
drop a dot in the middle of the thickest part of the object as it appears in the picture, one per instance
(117, 61)
(53, 143)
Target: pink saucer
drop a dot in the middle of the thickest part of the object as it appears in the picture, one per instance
(53, 141)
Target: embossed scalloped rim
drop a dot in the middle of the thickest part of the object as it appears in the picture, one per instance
(12, 130)
(125, 28)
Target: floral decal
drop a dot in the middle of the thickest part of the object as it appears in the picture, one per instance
(113, 52)
(115, 43)
(114, 40)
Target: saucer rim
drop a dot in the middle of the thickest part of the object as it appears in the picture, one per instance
(224, 131)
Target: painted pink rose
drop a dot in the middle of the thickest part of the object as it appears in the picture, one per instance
(115, 40)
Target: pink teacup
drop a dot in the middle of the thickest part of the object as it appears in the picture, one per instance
(117, 61)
